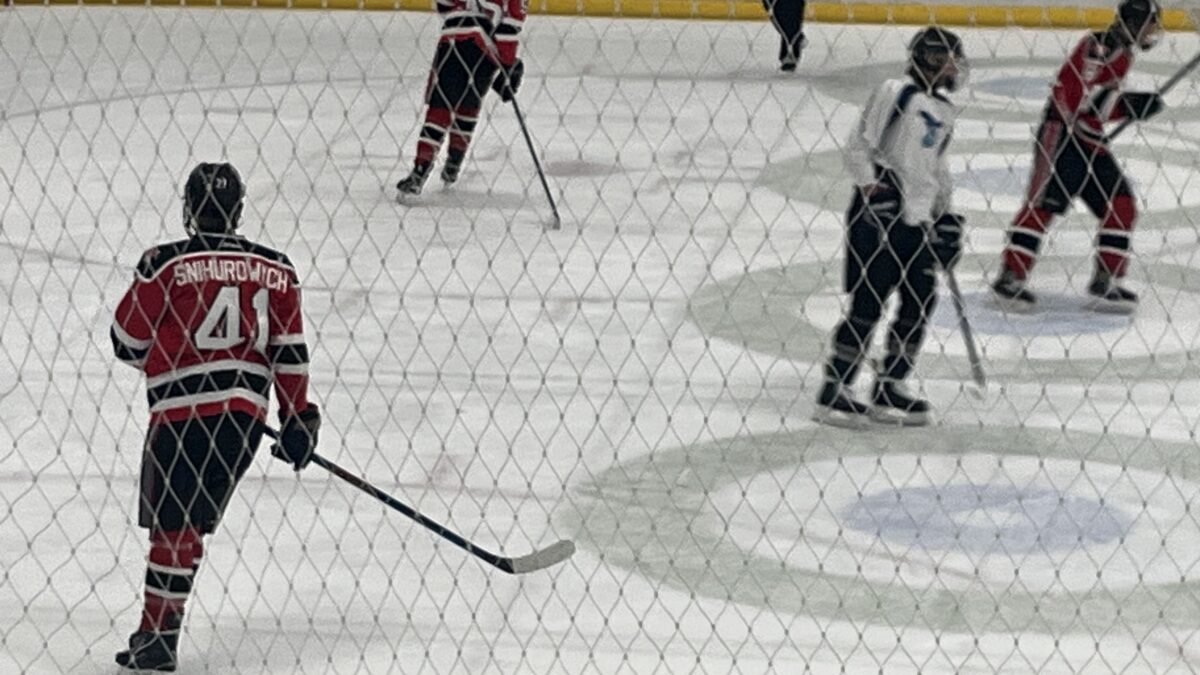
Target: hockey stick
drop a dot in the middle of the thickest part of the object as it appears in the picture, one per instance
(538, 560)
(557, 224)
(964, 326)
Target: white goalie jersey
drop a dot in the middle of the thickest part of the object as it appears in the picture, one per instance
(904, 132)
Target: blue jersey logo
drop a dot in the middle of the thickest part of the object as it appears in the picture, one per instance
(932, 126)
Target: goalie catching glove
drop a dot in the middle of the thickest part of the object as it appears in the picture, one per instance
(298, 436)
(508, 80)
(947, 239)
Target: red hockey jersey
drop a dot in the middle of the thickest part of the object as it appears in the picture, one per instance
(494, 24)
(1088, 87)
(213, 321)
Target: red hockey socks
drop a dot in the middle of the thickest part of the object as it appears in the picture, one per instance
(171, 565)
(1025, 238)
(463, 128)
(1112, 244)
(437, 122)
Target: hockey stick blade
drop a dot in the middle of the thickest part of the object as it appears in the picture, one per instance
(540, 559)
(537, 560)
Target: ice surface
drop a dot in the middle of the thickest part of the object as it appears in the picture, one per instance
(639, 382)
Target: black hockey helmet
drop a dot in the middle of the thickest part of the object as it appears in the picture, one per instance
(1139, 22)
(212, 198)
(936, 59)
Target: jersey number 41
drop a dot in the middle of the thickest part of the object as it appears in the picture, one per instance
(222, 326)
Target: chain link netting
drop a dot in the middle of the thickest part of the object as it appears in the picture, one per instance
(640, 381)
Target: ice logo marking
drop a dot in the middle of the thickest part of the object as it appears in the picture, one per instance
(1018, 87)
(987, 519)
(932, 126)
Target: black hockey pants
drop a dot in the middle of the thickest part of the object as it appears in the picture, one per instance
(880, 259)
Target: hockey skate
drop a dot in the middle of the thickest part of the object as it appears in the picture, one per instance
(837, 407)
(150, 651)
(452, 168)
(1010, 294)
(412, 184)
(1109, 297)
(892, 404)
(788, 59)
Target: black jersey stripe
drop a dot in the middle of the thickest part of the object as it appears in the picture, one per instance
(287, 354)
(204, 383)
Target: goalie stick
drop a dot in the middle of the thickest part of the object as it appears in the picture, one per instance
(532, 562)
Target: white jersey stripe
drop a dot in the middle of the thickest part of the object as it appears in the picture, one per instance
(163, 569)
(209, 397)
(287, 339)
(1018, 247)
(210, 367)
(128, 340)
(1024, 230)
(167, 595)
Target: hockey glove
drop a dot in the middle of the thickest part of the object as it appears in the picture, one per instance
(947, 239)
(1140, 106)
(881, 204)
(508, 80)
(298, 436)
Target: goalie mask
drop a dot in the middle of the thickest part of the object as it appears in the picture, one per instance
(1139, 22)
(936, 59)
(212, 199)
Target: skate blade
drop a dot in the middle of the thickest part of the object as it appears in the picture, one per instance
(1011, 305)
(840, 419)
(898, 418)
(1102, 306)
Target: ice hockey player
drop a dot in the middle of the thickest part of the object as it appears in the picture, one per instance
(213, 321)
(787, 16)
(900, 228)
(1072, 159)
(477, 49)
